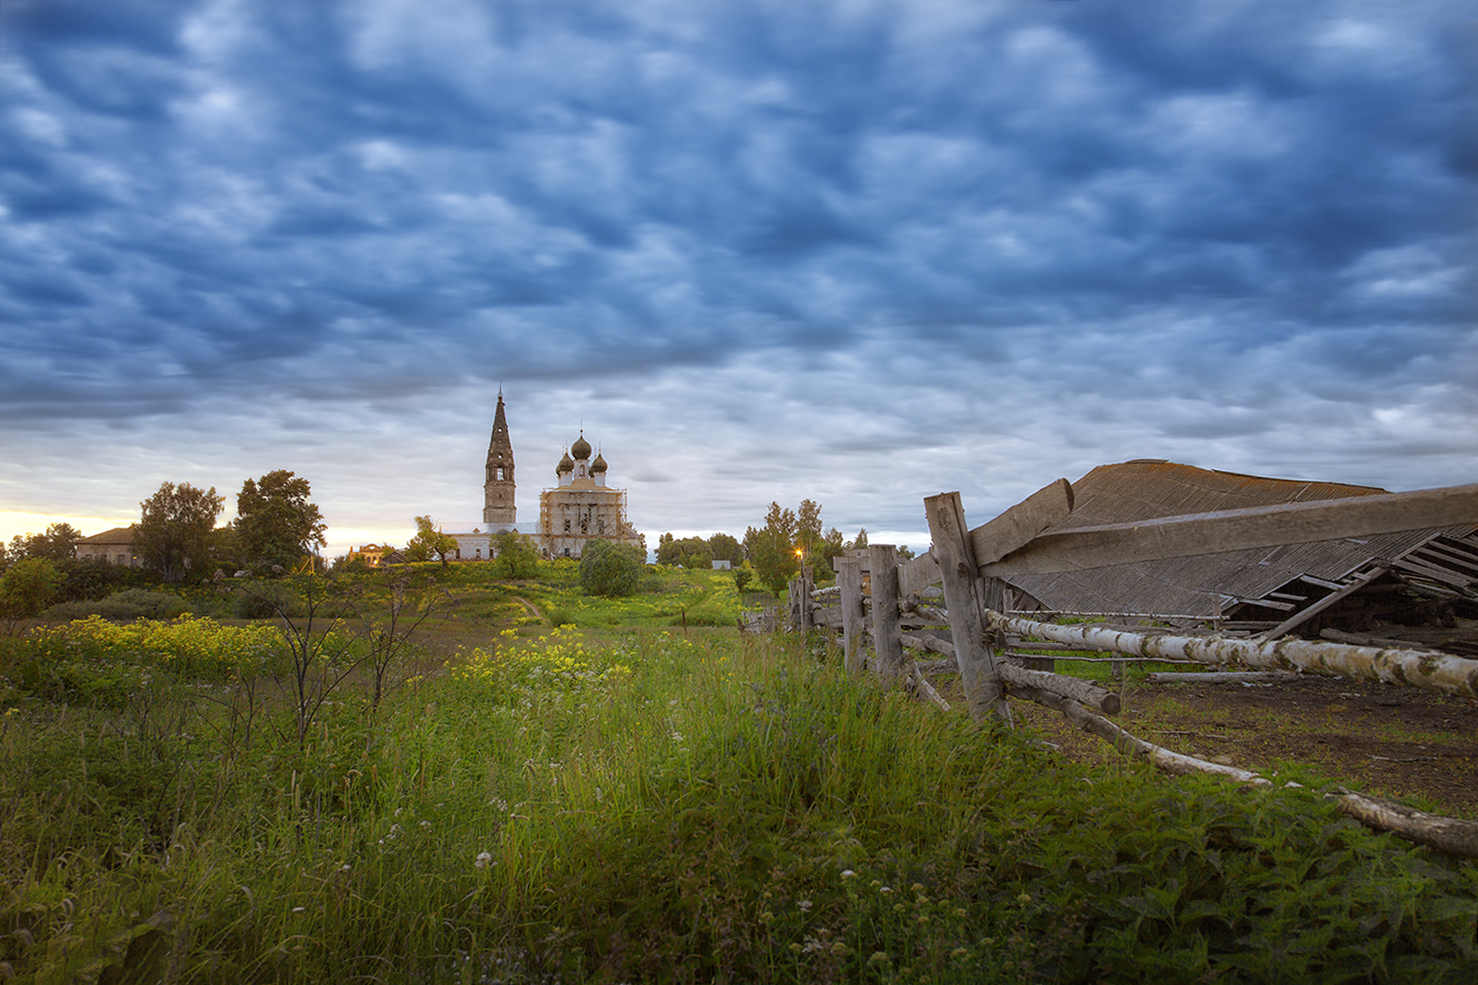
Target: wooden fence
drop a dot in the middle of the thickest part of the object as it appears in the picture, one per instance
(971, 565)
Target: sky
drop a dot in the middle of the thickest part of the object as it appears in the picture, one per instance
(858, 251)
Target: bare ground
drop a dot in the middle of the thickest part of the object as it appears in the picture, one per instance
(1374, 738)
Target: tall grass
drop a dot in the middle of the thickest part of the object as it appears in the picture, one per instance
(653, 807)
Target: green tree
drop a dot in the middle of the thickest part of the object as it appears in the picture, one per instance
(514, 556)
(772, 548)
(429, 543)
(175, 527)
(276, 521)
(861, 540)
(27, 588)
(824, 551)
(808, 527)
(722, 547)
(610, 569)
(743, 575)
(57, 543)
(690, 552)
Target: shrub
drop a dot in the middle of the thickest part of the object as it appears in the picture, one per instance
(611, 569)
(131, 603)
(27, 588)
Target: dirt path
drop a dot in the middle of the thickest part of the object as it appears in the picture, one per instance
(533, 610)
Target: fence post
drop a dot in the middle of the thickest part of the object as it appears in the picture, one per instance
(963, 595)
(808, 583)
(849, 580)
(886, 636)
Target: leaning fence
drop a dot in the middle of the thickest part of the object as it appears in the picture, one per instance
(882, 605)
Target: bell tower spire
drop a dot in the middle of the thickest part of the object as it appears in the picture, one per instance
(499, 509)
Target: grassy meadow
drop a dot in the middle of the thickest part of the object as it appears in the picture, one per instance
(551, 788)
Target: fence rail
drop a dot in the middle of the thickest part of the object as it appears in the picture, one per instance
(971, 564)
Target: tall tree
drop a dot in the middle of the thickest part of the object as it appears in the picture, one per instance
(276, 521)
(56, 544)
(772, 548)
(808, 526)
(174, 529)
(723, 547)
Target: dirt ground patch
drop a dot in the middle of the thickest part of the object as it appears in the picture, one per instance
(1372, 737)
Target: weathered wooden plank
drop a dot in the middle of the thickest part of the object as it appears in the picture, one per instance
(918, 574)
(1233, 530)
(955, 554)
(849, 579)
(828, 616)
(1017, 526)
(886, 635)
(1299, 618)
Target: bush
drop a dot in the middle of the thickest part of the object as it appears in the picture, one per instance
(611, 569)
(131, 603)
(27, 588)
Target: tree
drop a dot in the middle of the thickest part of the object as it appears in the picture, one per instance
(808, 526)
(276, 521)
(824, 550)
(742, 577)
(610, 569)
(514, 556)
(689, 552)
(772, 548)
(430, 543)
(27, 588)
(722, 547)
(861, 540)
(174, 529)
(57, 543)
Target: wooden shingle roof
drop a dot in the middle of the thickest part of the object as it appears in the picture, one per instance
(1146, 489)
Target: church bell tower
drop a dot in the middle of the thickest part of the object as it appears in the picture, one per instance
(498, 509)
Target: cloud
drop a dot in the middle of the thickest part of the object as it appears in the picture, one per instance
(860, 247)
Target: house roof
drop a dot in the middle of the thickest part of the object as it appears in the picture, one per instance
(1148, 488)
(118, 535)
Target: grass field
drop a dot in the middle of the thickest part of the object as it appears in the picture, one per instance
(612, 799)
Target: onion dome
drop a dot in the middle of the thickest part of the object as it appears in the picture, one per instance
(581, 449)
(599, 465)
(565, 465)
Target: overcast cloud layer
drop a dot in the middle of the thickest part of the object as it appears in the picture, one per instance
(857, 251)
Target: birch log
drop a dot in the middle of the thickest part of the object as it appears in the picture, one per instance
(1446, 834)
(1159, 756)
(1418, 668)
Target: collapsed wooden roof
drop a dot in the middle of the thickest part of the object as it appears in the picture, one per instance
(1272, 585)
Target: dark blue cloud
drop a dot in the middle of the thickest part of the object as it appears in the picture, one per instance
(352, 201)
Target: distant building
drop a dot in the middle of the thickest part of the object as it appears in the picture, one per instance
(371, 554)
(114, 546)
(582, 507)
